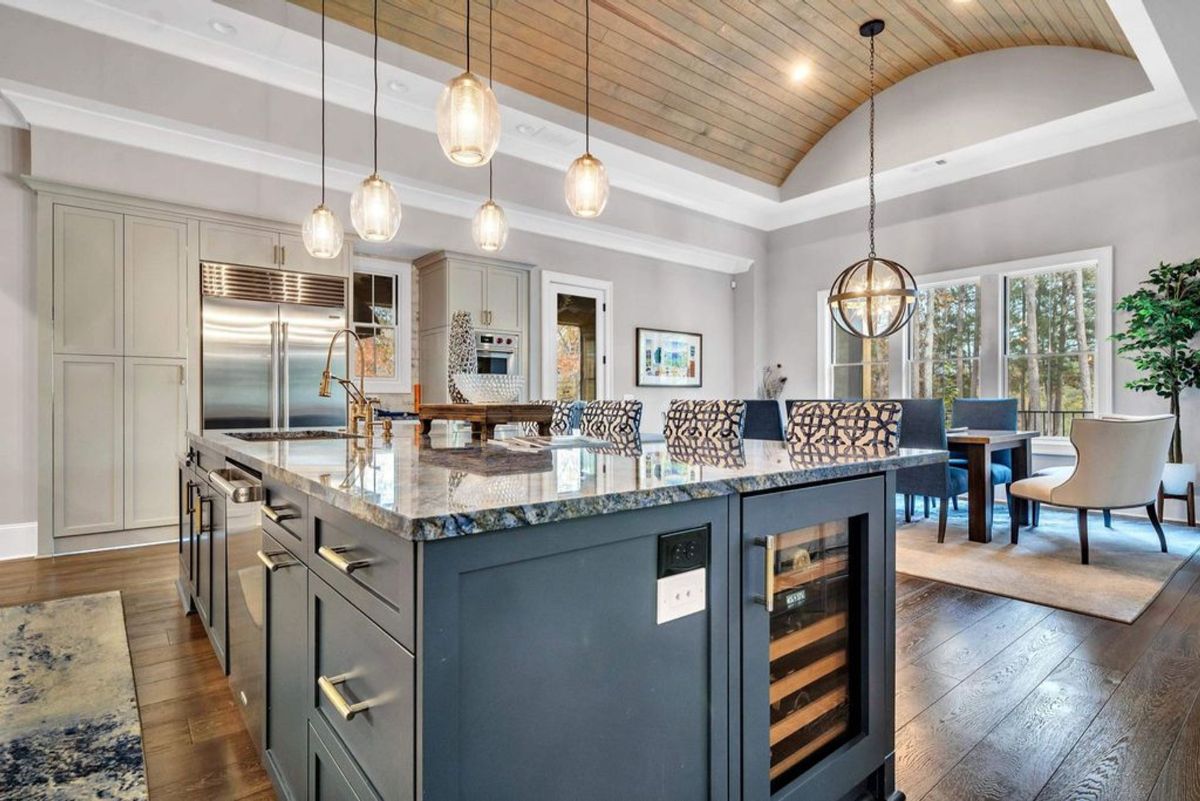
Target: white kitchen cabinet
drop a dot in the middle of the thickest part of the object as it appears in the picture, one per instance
(294, 256)
(88, 281)
(227, 243)
(433, 358)
(89, 422)
(507, 294)
(467, 290)
(495, 293)
(155, 409)
(155, 258)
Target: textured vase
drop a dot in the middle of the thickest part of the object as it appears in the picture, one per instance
(461, 357)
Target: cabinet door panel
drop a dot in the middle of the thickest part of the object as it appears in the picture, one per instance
(155, 287)
(294, 256)
(287, 692)
(155, 421)
(88, 445)
(466, 284)
(238, 244)
(505, 298)
(88, 281)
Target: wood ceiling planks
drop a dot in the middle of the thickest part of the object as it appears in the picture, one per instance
(711, 78)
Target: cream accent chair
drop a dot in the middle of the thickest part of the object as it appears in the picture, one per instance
(1118, 464)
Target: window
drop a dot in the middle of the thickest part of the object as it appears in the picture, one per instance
(1050, 346)
(943, 343)
(859, 367)
(381, 315)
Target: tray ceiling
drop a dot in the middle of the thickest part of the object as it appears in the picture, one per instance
(713, 78)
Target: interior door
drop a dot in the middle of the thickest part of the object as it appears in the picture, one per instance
(239, 345)
(305, 333)
(577, 344)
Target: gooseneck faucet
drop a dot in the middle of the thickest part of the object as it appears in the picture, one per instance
(361, 406)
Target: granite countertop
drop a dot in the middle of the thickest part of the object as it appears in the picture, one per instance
(429, 488)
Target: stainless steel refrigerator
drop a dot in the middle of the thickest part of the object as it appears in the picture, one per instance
(265, 336)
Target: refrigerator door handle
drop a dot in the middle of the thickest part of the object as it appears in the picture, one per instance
(284, 377)
(274, 375)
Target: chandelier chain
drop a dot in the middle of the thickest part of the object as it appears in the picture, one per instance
(375, 100)
(871, 168)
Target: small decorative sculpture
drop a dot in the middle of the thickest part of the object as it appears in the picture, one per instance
(461, 357)
(773, 380)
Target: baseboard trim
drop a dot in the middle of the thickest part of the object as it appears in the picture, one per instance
(109, 540)
(18, 541)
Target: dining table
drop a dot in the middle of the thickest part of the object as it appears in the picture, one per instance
(979, 444)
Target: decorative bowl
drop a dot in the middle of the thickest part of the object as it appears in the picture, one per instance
(489, 388)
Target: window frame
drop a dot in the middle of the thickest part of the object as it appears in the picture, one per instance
(401, 273)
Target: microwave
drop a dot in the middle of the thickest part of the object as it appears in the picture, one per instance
(496, 354)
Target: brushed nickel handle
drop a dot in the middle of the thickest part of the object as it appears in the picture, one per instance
(203, 528)
(768, 598)
(278, 515)
(329, 688)
(282, 255)
(333, 555)
(268, 560)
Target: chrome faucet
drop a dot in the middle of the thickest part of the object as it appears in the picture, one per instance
(362, 408)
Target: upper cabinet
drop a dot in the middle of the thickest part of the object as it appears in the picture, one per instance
(466, 290)
(495, 293)
(507, 294)
(155, 287)
(89, 279)
(230, 243)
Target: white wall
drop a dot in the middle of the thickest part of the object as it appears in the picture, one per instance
(1138, 195)
(18, 345)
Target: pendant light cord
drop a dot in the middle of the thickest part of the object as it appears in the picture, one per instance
(375, 106)
(322, 102)
(871, 140)
(468, 35)
(587, 76)
(491, 70)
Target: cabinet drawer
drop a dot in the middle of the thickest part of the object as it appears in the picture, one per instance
(330, 775)
(359, 672)
(372, 567)
(287, 520)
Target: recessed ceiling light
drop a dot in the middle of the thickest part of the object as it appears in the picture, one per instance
(222, 27)
(397, 87)
(801, 71)
(525, 129)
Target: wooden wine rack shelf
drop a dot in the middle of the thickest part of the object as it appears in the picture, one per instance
(807, 714)
(809, 748)
(801, 638)
(807, 675)
(819, 569)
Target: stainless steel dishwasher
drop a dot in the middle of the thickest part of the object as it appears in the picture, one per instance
(244, 589)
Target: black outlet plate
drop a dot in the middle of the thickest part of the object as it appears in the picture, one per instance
(681, 551)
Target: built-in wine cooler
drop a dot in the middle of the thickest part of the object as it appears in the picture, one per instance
(816, 705)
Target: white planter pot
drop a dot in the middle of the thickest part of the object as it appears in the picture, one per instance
(1176, 477)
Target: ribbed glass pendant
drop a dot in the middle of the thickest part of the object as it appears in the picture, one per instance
(490, 227)
(587, 186)
(468, 121)
(322, 233)
(375, 210)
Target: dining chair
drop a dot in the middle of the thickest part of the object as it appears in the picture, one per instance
(923, 425)
(1118, 465)
(563, 420)
(833, 425)
(992, 414)
(705, 419)
(611, 420)
(764, 420)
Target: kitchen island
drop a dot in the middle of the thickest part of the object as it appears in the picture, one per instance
(443, 619)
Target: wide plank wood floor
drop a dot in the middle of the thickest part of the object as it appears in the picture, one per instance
(995, 698)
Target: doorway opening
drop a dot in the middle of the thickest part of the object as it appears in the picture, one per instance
(576, 331)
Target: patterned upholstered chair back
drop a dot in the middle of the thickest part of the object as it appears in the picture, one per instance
(563, 421)
(841, 424)
(705, 419)
(611, 420)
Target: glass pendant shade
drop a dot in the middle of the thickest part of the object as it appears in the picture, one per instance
(375, 210)
(873, 298)
(587, 186)
(490, 228)
(468, 121)
(322, 233)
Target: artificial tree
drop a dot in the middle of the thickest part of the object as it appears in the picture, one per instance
(1164, 321)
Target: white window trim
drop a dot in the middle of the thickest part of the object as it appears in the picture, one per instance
(402, 272)
(992, 341)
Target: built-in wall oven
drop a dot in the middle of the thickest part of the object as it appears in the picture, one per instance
(497, 353)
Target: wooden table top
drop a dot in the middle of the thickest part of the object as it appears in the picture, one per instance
(492, 412)
(984, 436)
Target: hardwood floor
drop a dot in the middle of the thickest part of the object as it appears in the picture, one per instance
(996, 698)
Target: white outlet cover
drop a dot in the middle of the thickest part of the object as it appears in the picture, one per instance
(681, 595)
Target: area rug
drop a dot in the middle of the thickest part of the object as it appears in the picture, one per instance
(69, 724)
(1126, 573)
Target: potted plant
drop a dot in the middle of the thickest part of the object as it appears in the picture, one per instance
(1164, 321)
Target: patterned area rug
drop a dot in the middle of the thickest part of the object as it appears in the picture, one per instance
(1126, 573)
(69, 724)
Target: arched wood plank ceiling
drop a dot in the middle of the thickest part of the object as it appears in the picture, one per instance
(712, 78)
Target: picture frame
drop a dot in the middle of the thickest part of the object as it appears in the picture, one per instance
(665, 358)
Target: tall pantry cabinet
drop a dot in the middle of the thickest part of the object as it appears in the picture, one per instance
(119, 320)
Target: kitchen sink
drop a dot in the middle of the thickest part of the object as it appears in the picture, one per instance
(291, 434)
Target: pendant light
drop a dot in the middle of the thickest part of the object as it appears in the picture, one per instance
(490, 227)
(875, 297)
(322, 231)
(468, 117)
(587, 180)
(374, 207)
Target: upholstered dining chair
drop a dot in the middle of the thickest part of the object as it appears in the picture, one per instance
(564, 419)
(705, 419)
(1118, 465)
(991, 414)
(923, 425)
(611, 420)
(764, 420)
(835, 425)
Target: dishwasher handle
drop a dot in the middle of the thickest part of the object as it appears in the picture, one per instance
(236, 485)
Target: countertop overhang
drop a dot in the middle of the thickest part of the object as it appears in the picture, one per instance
(432, 488)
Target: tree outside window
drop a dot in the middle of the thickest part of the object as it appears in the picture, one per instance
(859, 366)
(375, 323)
(944, 343)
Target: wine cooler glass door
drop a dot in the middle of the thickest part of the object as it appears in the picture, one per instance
(813, 621)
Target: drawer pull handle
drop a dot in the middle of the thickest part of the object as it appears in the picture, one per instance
(768, 598)
(268, 560)
(278, 515)
(333, 555)
(329, 688)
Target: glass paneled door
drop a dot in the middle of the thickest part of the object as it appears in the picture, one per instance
(575, 335)
(816, 717)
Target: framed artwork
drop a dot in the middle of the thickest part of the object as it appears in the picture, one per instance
(668, 358)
